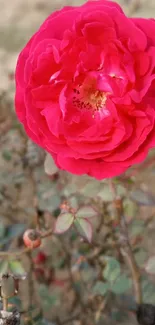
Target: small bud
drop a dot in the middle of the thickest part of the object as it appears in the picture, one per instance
(32, 238)
(64, 206)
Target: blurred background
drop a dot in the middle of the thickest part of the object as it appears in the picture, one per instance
(20, 19)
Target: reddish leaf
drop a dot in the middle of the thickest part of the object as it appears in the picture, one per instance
(86, 212)
(84, 228)
(63, 223)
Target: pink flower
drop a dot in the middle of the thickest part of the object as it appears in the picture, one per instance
(85, 88)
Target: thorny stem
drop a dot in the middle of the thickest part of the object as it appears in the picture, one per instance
(125, 245)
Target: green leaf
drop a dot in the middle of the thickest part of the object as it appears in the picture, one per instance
(73, 202)
(12, 232)
(86, 212)
(136, 228)
(101, 288)
(35, 316)
(150, 265)
(142, 197)
(141, 256)
(148, 290)
(130, 208)
(48, 299)
(106, 194)
(121, 285)
(15, 301)
(112, 270)
(119, 315)
(7, 155)
(63, 223)
(16, 268)
(91, 189)
(2, 230)
(3, 267)
(49, 201)
(84, 228)
(16, 230)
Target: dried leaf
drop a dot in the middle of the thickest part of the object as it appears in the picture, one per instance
(49, 165)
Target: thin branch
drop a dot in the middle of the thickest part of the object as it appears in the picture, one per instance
(101, 309)
(26, 249)
(15, 254)
(125, 245)
(30, 288)
(70, 319)
(47, 233)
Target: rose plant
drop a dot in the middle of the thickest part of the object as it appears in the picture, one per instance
(84, 93)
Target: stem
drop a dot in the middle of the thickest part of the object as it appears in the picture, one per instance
(47, 233)
(125, 245)
(70, 319)
(26, 249)
(18, 253)
(100, 310)
(5, 303)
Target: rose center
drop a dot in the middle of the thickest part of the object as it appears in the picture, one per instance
(86, 96)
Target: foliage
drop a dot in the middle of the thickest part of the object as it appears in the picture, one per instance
(79, 265)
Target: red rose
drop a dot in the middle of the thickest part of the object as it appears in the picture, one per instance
(85, 88)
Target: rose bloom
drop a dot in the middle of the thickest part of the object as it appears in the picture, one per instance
(85, 88)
